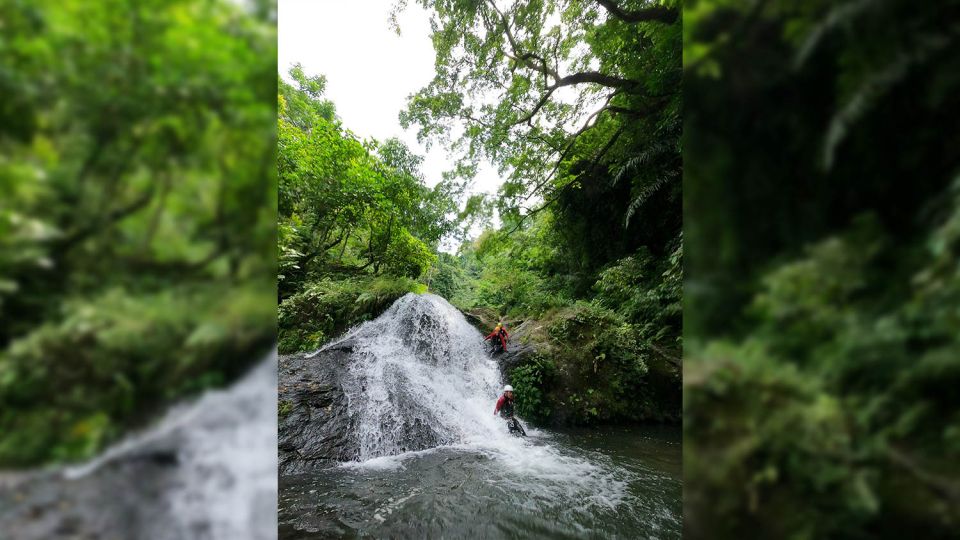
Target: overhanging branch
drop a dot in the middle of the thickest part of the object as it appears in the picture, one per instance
(660, 14)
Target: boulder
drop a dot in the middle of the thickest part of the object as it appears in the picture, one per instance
(521, 345)
(314, 426)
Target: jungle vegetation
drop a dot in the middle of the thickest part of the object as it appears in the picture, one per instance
(577, 103)
(822, 221)
(137, 236)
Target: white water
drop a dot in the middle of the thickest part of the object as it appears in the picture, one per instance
(420, 380)
(224, 483)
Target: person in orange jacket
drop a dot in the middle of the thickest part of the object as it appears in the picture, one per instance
(500, 332)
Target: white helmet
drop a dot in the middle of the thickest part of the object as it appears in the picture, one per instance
(507, 388)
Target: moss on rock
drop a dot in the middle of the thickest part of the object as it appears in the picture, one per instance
(326, 308)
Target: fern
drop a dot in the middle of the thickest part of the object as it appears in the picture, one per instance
(646, 193)
(646, 156)
(875, 85)
(838, 16)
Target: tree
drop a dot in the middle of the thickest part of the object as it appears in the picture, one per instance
(347, 204)
(558, 95)
(136, 235)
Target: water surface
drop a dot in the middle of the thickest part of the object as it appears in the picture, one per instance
(606, 483)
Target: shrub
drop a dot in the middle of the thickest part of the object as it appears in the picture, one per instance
(780, 437)
(328, 307)
(73, 385)
(530, 382)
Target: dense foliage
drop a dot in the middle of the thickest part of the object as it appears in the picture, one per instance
(611, 354)
(136, 231)
(578, 104)
(820, 389)
(328, 306)
(358, 223)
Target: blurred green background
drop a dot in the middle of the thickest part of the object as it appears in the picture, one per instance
(137, 212)
(822, 293)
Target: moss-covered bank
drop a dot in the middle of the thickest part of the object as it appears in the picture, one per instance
(326, 308)
(583, 365)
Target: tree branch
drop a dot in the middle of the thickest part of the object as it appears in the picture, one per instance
(117, 214)
(541, 66)
(934, 482)
(524, 58)
(573, 139)
(595, 77)
(563, 188)
(543, 101)
(541, 208)
(322, 249)
(606, 148)
(660, 14)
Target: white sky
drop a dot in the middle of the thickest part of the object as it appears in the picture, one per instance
(370, 70)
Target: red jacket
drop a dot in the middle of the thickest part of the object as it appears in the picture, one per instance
(502, 334)
(503, 401)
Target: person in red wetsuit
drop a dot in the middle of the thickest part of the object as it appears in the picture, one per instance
(500, 332)
(505, 409)
(505, 403)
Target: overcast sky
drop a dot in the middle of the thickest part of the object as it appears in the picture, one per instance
(370, 70)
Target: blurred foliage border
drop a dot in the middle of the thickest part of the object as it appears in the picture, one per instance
(821, 211)
(137, 212)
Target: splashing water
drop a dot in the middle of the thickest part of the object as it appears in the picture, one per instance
(421, 392)
(419, 379)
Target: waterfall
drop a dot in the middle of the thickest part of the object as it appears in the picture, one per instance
(391, 433)
(217, 478)
(420, 378)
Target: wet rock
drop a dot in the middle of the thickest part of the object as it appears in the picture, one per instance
(520, 347)
(484, 319)
(522, 343)
(314, 426)
(421, 357)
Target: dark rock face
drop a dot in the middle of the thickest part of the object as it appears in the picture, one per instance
(328, 415)
(519, 348)
(124, 500)
(314, 426)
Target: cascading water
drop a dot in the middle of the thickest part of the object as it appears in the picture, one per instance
(420, 379)
(430, 458)
(206, 470)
